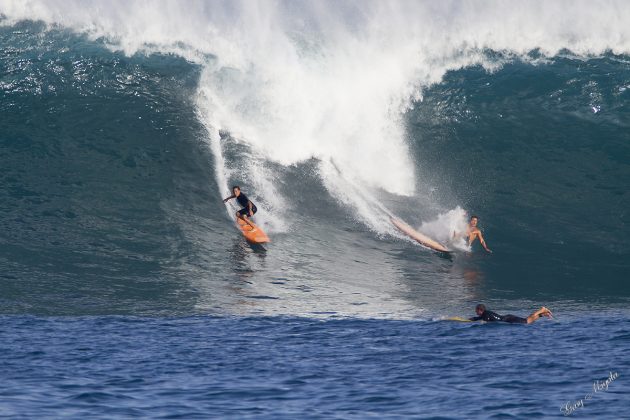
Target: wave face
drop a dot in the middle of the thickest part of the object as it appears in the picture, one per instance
(125, 122)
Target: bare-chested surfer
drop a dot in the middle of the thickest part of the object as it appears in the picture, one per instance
(473, 233)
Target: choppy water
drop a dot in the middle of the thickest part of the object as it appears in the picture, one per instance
(285, 367)
(126, 290)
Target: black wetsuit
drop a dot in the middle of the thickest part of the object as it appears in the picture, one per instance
(490, 316)
(244, 201)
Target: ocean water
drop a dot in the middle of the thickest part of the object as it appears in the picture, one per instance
(126, 290)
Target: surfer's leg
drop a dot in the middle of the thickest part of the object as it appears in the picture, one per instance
(248, 222)
(513, 319)
(539, 313)
(242, 214)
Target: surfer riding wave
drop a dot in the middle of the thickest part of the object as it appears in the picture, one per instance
(249, 208)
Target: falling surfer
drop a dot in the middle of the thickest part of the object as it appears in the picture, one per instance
(473, 233)
(248, 210)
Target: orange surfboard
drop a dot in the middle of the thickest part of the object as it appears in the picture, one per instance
(419, 237)
(253, 235)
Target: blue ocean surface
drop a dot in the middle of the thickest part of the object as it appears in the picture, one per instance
(127, 291)
(284, 367)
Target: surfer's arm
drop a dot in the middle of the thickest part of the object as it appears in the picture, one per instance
(483, 243)
(250, 208)
(229, 198)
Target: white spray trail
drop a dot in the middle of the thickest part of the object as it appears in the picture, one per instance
(449, 228)
(221, 172)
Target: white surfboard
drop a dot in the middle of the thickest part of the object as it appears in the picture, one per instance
(417, 236)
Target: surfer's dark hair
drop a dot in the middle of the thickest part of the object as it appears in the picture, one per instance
(474, 216)
(481, 307)
(235, 186)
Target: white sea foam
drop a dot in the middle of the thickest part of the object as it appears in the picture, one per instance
(331, 80)
(449, 228)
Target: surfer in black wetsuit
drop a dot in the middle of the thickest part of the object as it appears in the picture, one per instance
(485, 315)
(248, 210)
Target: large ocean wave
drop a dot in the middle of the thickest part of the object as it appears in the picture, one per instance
(332, 80)
(124, 123)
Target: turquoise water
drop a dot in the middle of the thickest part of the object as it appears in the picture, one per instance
(126, 291)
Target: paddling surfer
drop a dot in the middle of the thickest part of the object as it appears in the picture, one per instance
(485, 315)
(248, 210)
(473, 233)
